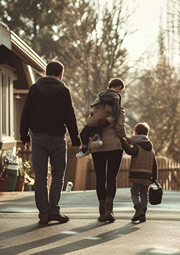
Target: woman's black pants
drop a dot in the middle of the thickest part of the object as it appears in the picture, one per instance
(106, 164)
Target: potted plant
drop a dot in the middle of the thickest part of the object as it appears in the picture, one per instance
(4, 178)
(11, 165)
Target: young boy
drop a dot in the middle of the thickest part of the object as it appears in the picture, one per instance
(104, 111)
(143, 168)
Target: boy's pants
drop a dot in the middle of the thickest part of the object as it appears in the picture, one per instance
(139, 194)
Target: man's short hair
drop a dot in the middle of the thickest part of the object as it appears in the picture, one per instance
(115, 82)
(54, 68)
(142, 128)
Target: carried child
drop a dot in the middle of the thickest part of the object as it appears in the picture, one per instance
(143, 168)
(104, 111)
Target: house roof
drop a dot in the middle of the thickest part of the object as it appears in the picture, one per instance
(22, 50)
(15, 44)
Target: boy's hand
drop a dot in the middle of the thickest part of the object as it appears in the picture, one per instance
(128, 140)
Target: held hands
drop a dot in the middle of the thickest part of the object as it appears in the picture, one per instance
(128, 140)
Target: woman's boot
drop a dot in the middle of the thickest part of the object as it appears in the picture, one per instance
(102, 212)
(109, 211)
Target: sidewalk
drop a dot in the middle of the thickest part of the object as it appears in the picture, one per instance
(83, 234)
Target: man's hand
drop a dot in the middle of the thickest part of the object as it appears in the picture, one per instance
(27, 145)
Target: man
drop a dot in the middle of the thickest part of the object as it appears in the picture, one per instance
(47, 112)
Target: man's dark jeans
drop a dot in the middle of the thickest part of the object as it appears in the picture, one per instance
(54, 147)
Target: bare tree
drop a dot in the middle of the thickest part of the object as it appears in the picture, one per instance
(91, 45)
(173, 32)
(157, 101)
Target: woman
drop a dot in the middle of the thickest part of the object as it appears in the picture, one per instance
(107, 159)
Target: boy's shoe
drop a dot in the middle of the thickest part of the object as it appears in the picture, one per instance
(81, 154)
(139, 213)
(142, 218)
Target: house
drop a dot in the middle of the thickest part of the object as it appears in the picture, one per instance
(20, 67)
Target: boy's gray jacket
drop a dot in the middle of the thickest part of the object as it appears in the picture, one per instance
(143, 166)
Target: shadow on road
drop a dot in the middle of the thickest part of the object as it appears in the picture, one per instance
(73, 246)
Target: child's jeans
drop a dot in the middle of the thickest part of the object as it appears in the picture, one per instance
(89, 132)
(139, 194)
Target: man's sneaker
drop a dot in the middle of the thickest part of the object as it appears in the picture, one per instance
(81, 154)
(43, 221)
(60, 217)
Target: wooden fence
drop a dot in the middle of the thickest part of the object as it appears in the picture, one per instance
(168, 174)
(81, 171)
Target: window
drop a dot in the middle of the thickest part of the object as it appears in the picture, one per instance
(6, 116)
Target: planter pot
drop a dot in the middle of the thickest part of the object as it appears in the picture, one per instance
(19, 185)
(4, 184)
(12, 170)
(27, 187)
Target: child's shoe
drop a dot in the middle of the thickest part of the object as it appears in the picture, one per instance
(139, 214)
(82, 153)
(143, 218)
(96, 142)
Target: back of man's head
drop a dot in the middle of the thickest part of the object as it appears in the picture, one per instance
(54, 68)
(142, 128)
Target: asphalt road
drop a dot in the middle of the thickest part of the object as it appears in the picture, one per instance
(83, 234)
